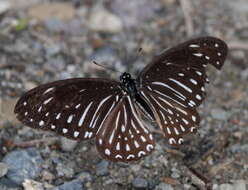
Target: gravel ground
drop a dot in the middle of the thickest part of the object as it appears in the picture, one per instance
(43, 41)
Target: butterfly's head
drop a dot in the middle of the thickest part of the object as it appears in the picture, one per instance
(125, 78)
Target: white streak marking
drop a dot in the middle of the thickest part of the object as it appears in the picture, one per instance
(179, 109)
(75, 134)
(80, 123)
(165, 101)
(202, 89)
(48, 100)
(193, 118)
(198, 97)
(199, 73)
(135, 115)
(53, 126)
(192, 102)
(69, 120)
(180, 74)
(168, 130)
(180, 140)
(207, 57)
(39, 110)
(141, 153)
(118, 156)
(105, 117)
(130, 156)
(194, 45)
(192, 129)
(185, 121)
(167, 86)
(193, 81)
(125, 114)
(127, 147)
(143, 138)
(149, 147)
(77, 106)
(136, 144)
(197, 54)
(169, 98)
(26, 113)
(96, 112)
(48, 90)
(181, 84)
(176, 131)
(58, 115)
(182, 128)
(172, 140)
(100, 141)
(118, 146)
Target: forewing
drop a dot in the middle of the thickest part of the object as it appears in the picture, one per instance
(124, 136)
(75, 108)
(175, 81)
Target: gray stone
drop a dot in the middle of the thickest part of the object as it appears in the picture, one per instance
(55, 25)
(102, 168)
(23, 164)
(67, 145)
(236, 185)
(139, 183)
(163, 186)
(4, 6)
(135, 12)
(220, 114)
(63, 171)
(104, 21)
(3, 169)
(72, 185)
(85, 177)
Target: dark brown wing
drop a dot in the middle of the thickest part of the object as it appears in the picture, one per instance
(173, 84)
(124, 137)
(75, 108)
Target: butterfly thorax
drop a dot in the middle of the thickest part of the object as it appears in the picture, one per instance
(128, 84)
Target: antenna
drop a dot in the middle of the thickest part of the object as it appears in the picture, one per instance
(107, 68)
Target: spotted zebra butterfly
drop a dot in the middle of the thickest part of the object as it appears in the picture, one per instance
(167, 91)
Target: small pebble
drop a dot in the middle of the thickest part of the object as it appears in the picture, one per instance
(72, 185)
(102, 168)
(104, 21)
(139, 183)
(163, 186)
(85, 177)
(4, 6)
(220, 114)
(3, 169)
(23, 164)
(67, 145)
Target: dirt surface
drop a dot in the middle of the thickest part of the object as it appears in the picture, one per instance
(43, 41)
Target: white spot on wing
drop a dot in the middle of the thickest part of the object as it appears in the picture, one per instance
(41, 123)
(107, 151)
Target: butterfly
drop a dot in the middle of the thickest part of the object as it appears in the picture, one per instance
(167, 91)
